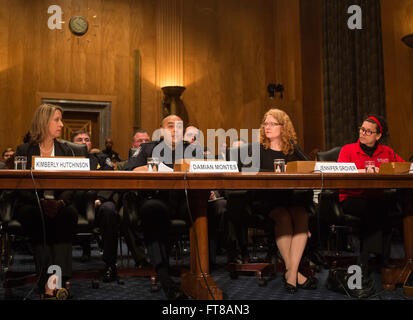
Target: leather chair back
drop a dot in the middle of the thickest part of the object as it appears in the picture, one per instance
(79, 150)
(240, 154)
(329, 155)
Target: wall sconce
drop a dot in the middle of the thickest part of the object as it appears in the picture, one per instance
(273, 88)
(408, 40)
(171, 99)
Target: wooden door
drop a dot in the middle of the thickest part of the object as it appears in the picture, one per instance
(87, 121)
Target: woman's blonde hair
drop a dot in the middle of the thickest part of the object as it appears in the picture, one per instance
(287, 131)
(40, 121)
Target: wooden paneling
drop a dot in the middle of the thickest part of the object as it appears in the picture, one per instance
(397, 21)
(231, 50)
(288, 64)
(312, 74)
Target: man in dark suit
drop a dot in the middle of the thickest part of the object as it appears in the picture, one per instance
(107, 216)
(158, 207)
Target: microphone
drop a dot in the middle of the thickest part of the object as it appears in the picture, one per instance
(300, 152)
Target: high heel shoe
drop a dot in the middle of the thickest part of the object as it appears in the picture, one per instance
(290, 288)
(287, 286)
(309, 284)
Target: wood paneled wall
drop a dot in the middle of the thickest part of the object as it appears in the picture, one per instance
(231, 50)
(397, 21)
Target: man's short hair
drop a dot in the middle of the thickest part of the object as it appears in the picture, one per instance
(76, 133)
(139, 131)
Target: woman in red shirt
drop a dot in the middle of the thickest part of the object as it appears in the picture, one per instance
(369, 205)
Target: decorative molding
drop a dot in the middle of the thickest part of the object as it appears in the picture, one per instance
(169, 43)
(102, 108)
(137, 91)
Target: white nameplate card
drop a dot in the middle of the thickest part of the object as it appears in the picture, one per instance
(335, 167)
(61, 164)
(213, 166)
(164, 168)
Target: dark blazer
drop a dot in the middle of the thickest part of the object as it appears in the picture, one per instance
(30, 149)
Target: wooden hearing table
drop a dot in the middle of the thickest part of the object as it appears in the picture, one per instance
(199, 184)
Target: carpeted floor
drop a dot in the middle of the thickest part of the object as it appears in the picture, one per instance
(245, 287)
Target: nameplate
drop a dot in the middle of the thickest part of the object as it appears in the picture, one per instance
(213, 166)
(300, 167)
(61, 164)
(396, 167)
(335, 167)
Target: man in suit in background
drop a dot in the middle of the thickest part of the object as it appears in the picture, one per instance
(140, 136)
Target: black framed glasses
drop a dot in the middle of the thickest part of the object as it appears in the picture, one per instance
(367, 132)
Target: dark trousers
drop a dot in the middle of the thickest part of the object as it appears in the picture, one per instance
(59, 235)
(375, 228)
(156, 215)
(108, 220)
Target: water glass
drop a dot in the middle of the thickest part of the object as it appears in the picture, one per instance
(279, 165)
(20, 162)
(153, 164)
(370, 166)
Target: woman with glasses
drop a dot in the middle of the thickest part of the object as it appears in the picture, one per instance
(369, 205)
(286, 208)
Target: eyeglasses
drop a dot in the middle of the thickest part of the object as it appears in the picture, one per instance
(367, 132)
(270, 124)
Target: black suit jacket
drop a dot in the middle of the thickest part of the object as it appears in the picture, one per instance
(30, 149)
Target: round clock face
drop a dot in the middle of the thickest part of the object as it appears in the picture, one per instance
(78, 25)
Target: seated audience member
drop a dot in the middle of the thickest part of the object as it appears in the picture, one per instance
(238, 143)
(52, 229)
(107, 216)
(369, 205)
(157, 208)
(7, 159)
(285, 208)
(139, 136)
(191, 134)
(113, 155)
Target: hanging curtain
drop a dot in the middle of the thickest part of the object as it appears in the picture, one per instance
(352, 69)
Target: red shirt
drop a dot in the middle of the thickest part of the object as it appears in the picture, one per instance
(353, 153)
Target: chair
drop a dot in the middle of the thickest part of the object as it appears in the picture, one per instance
(333, 219)
(12, 230)
(257, 224)
(260, 224)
